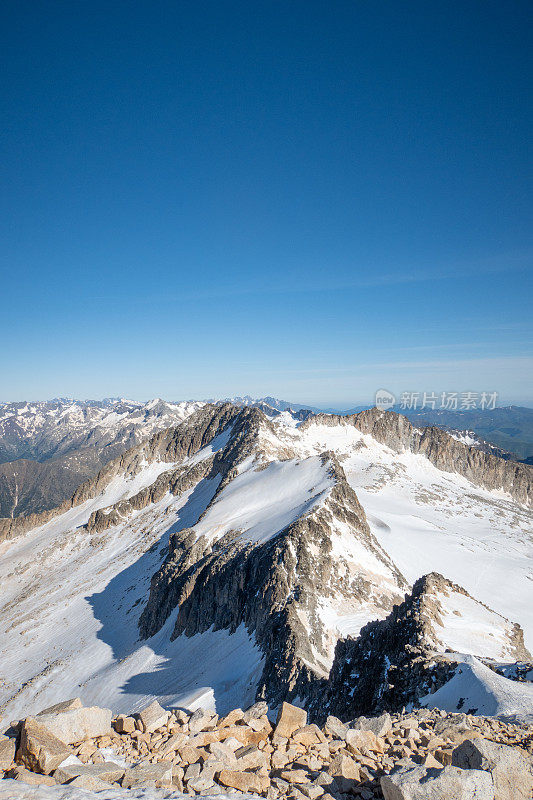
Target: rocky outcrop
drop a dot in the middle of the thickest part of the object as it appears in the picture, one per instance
(400, 659)
(441, 449)
(274, 588)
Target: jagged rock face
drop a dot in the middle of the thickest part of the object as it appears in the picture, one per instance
(441, 449)
(276, 587)
(401, 659)
(50, 448)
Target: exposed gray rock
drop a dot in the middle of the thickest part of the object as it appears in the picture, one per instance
(418, 783)
(212, 582)
(445, 452)
(397, 660)
(337, 728)
(510, 770)
(108, 771)
(380, 726)
(78, 724)
(148, 775)
(65, 705)
(153, 717)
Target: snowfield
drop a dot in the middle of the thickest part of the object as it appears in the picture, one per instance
(477, 689)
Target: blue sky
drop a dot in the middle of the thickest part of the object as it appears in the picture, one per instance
(307, 199)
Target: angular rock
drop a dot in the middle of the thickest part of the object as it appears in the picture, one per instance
(192, 771)
(153, 717)
(90, 782)
(189, 755)
(39, 749)
(7, 751)
(32, 778)
(146, 774)
(345, 771)
(66, 705)
(336, 728)
(201, 721)
(171, 745)
(254, 712)
(205, 780)
(124, 724)
(417, 783)
(380, 726)
(78, 724)
(360, 739)
(250, 757)
(230, 719)
(243, 781)
(510, 770)
(290, 718)
(107, 771)
(312, 791)
(308, 735)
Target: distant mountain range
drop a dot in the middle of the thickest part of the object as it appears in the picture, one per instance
(47, 449)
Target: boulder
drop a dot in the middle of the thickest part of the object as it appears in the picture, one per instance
(360, 740)
(32, 778)
(510, 770)
(256, 711)
(7, 751)
(108, 771)
(345, 772)
(39, 749)
(202, 721)
(66, 705)
(290, 718)
(203, 781)
(380, 726)
(230, 719)
(243, 781)
(77, 724)
(153, 717)
(148, 775)
(250, 757)
(336, 728)
(169, 747)
(124, 724)
(308, 735)
(414, 782)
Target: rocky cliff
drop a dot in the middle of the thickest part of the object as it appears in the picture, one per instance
(441, 449)
(396, 661)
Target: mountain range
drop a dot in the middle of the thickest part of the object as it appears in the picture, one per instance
(47, 449)
(349, 564)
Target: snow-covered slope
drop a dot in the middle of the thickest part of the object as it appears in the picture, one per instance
(476, 688)
(242, 547)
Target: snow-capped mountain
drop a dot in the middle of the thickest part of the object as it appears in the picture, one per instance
(48, 448)
(230, 557)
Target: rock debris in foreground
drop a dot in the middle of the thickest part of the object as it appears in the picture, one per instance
(422, 755)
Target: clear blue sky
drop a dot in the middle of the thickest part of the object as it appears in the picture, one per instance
(307, 199)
